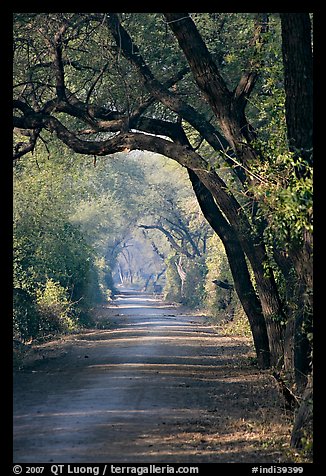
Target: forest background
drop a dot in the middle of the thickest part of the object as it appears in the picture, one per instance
(185, 139)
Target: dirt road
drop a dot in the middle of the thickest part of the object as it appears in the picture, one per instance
(160, 387)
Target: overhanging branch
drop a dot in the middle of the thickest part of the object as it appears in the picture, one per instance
(180, 249)
(168, 98)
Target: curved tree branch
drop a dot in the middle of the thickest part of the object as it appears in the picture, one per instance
(228, 110)
(180, 249)
(171, 100)
(203, 67)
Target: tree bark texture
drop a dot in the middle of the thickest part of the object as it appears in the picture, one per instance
(298, 83)
(228, 108)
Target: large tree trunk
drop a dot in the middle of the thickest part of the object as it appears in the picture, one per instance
(270, 301)
(254, 248)
(298, 83)
(239, 269)
(229, 109)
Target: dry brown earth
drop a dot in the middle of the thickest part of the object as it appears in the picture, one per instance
(157, 387)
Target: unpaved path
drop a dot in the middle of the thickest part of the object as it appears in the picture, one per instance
(160, 387)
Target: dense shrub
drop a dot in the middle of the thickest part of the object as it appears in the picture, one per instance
(26, 318)
(56, 310)
(54, 271)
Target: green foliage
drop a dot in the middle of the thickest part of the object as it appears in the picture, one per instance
(57, 312)
(104, 280)
(217, 268)
(192, 292)
(26, 316)
(286, 199)
(51, 257)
